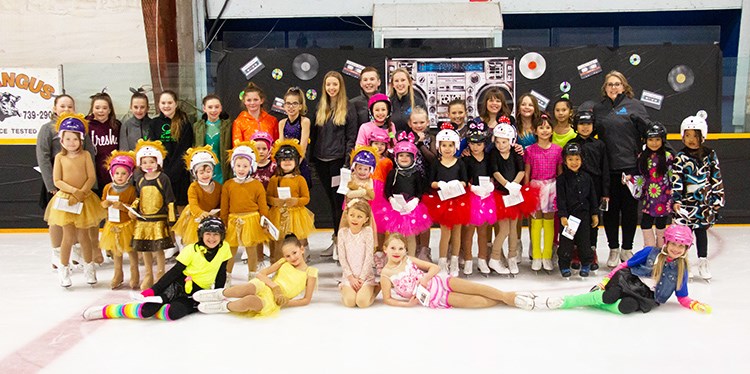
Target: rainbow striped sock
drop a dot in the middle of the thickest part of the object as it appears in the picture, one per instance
(163, 313)
(131, 311)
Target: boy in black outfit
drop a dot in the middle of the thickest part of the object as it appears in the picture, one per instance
(576, 197)
(594, 151)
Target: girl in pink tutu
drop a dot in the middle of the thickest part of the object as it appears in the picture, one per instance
(379, 139)
(449, 210)
(400, 210)
(481, 196)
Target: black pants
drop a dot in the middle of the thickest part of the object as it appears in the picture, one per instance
(582, 241)
(647, 221)
(623, 211)
(178, 308)
(598, 186)
(701, 241)
(326, 171)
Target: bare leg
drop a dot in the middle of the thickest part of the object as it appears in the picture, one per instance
(148, 262)
(460, 300)
(230, 262)
(502, 234)
(160, 264)
(68, 239)
(455, 237)
(95, 251)
(117, 278)
(246, 304)
(366, 296)
(242, 290)
(259, 252)
(252, 257)
(512, 238)
(135, 276)
(85, 242)
(467, 238)
(348, 297)
(411, 245)
(445, 237)
(463, 286)
(276, 251)
(55, 235)
(424, 238)
(481, 241)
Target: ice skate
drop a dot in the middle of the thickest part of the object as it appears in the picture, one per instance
(548, 265)
(536, 264)
(566, 273)
(499, 267)
(584, 273)
(626, 254)
(524, 301)
(205, 296)
(554, 302)
(595, 263)
(453, 268)
(93, 313)
(614, 258)
(243, 258)
(214, 307)
(89, 273)
(703, 270)
(482, 266)
(116, 279)
(63, 273)
(170, 252)
(468, 267)
(55, 259)
(443, 264)
(512, 267)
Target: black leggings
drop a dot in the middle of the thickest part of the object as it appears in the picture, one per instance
(178, 308)
(647, 221)
(326, 171)
(701, 242)
(623, 210)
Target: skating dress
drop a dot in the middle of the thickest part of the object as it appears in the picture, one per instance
(291, 281)
(405, 283)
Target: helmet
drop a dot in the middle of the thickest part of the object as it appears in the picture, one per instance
(655, 130)
(264, 136)
(477, 131)
(505, 131)
(123, 159)
(211, 224)
(679, 234)
(379, 135)
(364, 155)
(74, 123)
(377, 98)
(696, 122)
(448, 134)
(405, 144)
(244, 150)
(287, 149)
(572, 149)
(146, 148)
(584, 117)
(195, 157)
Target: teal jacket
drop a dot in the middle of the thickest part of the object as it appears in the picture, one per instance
(225, 141)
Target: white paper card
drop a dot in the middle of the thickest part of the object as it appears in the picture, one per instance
(63, 204)
(451, 190)
(511, 200)
(284, 192)
(486, 183)
(113, 214)
(265, 222)
(135, 212)
(342, 181)
(570, 230)
(422, 294)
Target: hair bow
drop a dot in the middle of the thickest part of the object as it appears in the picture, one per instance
(352, 202)
(504, 119)
(403, 135)
(476, 125)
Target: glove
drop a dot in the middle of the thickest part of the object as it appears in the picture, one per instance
(410, 206)
(513, 188)
(700, 307)
(279, 297)
(147, 292)
(477, 190)
(395, 204)
(442, 185)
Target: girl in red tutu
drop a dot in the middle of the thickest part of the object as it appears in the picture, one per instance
(450, 210)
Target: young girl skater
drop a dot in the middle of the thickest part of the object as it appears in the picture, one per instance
(155, 203)
(266, 164)
(563, 132)
(697, 185)
(457, 114)
(135, 127)
(507, 169)
(623, 292)
(118, 232)
(243, 202)
(425, 158)
(655, 164)
(449, 173)
(204, 194)
(543, 164)
(527, 115)
(214, 129)
(406, 214)
(297, 126)
(481, 196)
(199, 266)
(253, 117)
(380, 112)
(355, 245)
(289, 213)
(364, 160)
(265, 296)
(105, 133)
(73, 174)
(405, 275)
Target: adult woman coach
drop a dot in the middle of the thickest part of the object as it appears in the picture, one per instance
(617, 117)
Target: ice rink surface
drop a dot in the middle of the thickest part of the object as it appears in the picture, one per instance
(42, 329)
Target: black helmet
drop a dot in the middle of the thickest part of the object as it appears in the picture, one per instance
(287, 152)
(477, 131)
(655, 130)
(572, 149)
(211, 224)
(584, 117)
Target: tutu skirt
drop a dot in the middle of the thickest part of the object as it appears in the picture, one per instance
(245, 229)
(116, 237)
(266, 295)
(547, 195)
(299, 221)
(529, 205)
(186, 227)
(451, 212)
(391, 221)
(91, 214)
(152, 236)
(483, 211)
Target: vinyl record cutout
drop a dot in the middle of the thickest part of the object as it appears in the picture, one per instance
(311, 94)
(305, 66)
(680, 78)
(277, 74)
(532, 65)
(635, 59)
(565, 86)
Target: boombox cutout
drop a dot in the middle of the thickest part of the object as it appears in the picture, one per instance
(440, 80)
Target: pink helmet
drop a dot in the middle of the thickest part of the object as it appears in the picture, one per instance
(377, 98)
(679, 234)
(405, 143)
(264, 136)
(379, 135)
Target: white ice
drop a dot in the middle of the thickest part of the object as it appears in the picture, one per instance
(42, 329)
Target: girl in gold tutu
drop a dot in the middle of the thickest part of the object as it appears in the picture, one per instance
(243, 202)
(118, 230)
(74, 207)
(288, 195)
(204, 194)
(155, 204)
(264, 296)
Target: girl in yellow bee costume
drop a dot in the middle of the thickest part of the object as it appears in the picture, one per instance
(204, 194)
(243, 202)
(155, 203)
(289, 213)
(118, 230)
